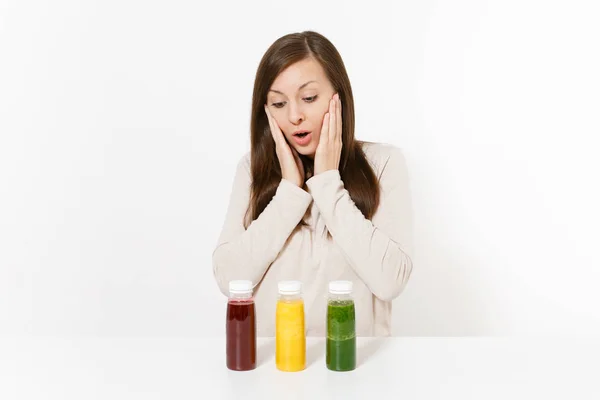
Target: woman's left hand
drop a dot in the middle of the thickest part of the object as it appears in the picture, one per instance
(329, 150)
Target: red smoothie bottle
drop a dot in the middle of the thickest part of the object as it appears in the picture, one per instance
(241, 327)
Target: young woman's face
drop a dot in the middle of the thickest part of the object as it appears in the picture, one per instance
(298, 100)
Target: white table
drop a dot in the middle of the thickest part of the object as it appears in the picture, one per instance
(392, 368)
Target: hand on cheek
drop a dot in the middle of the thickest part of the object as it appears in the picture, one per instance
(291, 165)
(329, 150)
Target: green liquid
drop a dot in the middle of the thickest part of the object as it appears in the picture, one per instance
(341, 336)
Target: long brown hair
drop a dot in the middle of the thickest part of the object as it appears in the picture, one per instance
(356, 172)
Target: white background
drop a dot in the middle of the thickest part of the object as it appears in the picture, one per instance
(121, 123)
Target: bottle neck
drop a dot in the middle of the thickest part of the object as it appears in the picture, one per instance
(240, 296)
(289, 297)
(340, 297)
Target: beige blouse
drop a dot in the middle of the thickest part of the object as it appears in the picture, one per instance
(373, 254)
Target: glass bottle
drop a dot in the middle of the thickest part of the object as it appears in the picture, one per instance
(341, 327)
(290, 336)
(241, 327)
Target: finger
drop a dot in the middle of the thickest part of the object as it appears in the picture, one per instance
(275, 131)
(327, 124)
(269, 120)
(325, 130)
(339, 119)
(332, 122)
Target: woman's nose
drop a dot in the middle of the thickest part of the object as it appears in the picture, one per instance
(296, 114)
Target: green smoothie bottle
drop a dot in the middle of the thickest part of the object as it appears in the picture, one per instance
(341, 327)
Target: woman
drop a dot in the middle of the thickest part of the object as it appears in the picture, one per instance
(309, 202)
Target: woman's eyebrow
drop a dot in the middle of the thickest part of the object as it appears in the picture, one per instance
(301, 86)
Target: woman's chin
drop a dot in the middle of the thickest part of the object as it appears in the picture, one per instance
(305, 151)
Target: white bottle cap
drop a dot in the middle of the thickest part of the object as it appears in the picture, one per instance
(340, 287)
(240, 287)
(289, 287)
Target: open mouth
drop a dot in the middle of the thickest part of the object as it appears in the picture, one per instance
(301, 134)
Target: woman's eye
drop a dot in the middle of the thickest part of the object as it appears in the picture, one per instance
(306, 99)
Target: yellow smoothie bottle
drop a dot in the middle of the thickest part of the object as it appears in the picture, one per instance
(290, 336)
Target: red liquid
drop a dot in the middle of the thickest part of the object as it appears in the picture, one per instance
(241, 335)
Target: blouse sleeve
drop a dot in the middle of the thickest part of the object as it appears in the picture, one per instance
(247, 253)
(377, 251)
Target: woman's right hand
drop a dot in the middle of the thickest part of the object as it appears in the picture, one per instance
(291, 165)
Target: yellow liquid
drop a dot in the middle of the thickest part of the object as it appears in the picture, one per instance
(290, 339)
